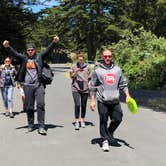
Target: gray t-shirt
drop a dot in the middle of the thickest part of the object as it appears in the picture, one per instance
(31, 76)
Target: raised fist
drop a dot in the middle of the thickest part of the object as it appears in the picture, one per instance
(56, 39)
(6, 44)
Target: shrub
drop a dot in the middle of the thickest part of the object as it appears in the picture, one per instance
(142, 56)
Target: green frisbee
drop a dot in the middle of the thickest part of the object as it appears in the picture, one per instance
(132, 105)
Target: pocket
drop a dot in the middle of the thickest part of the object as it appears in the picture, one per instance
(111, 95)
(80, 84)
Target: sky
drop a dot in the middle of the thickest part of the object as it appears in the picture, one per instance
(37, 8)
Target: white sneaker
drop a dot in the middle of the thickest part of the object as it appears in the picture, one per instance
(105, 146)
(83, 124)
(77, 125)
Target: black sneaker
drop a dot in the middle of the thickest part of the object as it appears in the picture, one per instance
(42, 131)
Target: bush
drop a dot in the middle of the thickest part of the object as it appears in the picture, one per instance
(142, 56)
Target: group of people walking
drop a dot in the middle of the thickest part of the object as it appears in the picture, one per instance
(102, 85)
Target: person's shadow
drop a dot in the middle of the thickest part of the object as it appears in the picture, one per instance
(36, 126)
(86, 123)
(14, 113)
(115, 143)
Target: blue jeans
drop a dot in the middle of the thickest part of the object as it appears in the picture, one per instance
(7, 96)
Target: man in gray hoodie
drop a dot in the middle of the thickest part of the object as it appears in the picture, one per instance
(106, 82)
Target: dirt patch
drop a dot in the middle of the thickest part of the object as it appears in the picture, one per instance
(151, 99)
(159, 104)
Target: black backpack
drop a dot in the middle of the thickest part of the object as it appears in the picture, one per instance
(47, 74)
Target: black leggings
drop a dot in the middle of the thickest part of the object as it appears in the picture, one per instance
(80, 99)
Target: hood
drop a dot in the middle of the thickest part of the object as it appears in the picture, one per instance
(102, 65)
(81, 66)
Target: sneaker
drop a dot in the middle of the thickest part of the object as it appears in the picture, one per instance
(83, 124)
(77, 126)
(42, 131)
(105, 146)
(11, 115)
(7, 114)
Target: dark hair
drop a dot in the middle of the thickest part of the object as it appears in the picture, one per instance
(80, 54)
(8, 58)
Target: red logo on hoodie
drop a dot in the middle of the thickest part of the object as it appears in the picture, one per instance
(109, 79)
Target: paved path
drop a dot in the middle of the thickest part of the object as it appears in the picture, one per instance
(142, 137)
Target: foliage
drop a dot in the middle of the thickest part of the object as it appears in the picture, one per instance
(13, 22)
(90, 25)
(143, 59)
(86, 25)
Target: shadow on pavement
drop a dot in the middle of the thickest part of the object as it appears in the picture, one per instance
(36, 126)
(116, 143)
(51, 126)
(14, 113)
(124, 142)
(24, 111)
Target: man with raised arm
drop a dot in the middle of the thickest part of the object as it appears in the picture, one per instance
(30, 77)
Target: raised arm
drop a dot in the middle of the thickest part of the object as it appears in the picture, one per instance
(50, 47)
(11, 51)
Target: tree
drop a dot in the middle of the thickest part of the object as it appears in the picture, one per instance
(151, 14)
(13, 21)
(87, 25)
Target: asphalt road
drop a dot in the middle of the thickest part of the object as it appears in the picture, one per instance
(141, 137)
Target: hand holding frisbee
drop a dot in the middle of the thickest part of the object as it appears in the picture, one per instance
(132, 105)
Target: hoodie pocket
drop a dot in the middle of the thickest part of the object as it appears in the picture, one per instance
(110, 95)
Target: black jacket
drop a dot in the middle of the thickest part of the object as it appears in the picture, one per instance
(38, 59)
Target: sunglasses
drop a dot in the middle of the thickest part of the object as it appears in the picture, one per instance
(107, 56)
(30, 50)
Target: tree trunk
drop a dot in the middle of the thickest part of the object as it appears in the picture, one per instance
(91, 48)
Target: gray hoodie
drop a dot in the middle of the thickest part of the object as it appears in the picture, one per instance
(107, 81)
